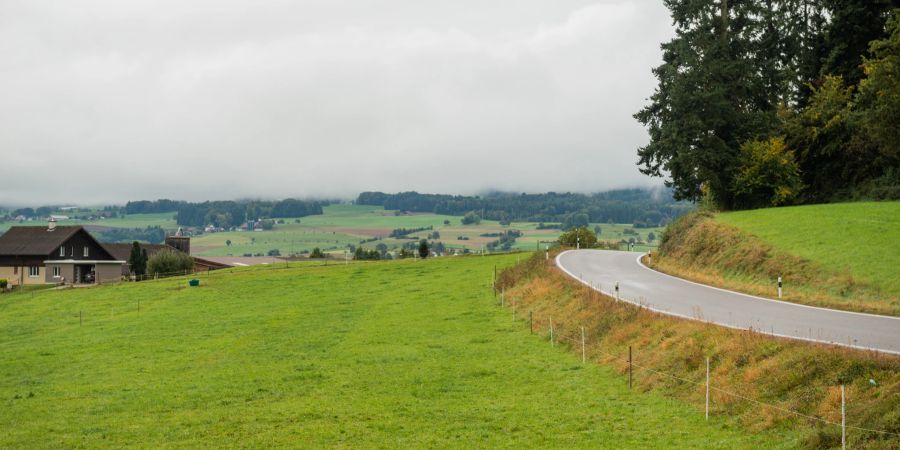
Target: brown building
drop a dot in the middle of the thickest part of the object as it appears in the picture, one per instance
(55, 254)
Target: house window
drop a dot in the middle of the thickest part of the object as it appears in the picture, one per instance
(85, 251)
(55, 271)
(72, 251)
(62, 251)
(34, 271)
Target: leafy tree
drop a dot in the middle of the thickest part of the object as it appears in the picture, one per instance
(769, 175)
(597, 230)
(585, 236)
(228, 242)
(833, 151)
(382, 249)
(316, 253)
(471, 218)
(362, 254)
(651, 237)
(435, 235)
(169, 262)
(423, 249)
(879, 91)
(274, 252)
(576, 220)
(446, 222)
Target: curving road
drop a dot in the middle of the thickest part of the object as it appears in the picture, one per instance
(638, 284)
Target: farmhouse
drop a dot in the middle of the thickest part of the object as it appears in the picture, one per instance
(55, 254)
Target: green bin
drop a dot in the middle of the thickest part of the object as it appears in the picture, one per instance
(194, 282)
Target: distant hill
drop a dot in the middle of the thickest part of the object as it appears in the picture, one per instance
(642, 207)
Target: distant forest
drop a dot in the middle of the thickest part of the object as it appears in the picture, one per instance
(226, 214)
(641, 207)
(777, 102)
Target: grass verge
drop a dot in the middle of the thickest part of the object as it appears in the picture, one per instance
(700, 248)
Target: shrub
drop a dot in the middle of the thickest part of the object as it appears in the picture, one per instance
(471, 219)
(769, 174)
(3, 283)
(169, 261)
(585, 236)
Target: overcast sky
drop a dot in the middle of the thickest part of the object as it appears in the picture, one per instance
(106, 101)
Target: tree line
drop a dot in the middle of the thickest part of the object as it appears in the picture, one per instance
(776, 102)
(617, 206)
(228, 213)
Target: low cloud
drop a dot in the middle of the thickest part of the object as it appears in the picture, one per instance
(110, 101)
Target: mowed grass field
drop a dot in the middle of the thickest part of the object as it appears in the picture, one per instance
(402, 354)
(861, 239)
(343, 224)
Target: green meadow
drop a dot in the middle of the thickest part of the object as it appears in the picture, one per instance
(165, 220)
(861, 239)
(400, 354)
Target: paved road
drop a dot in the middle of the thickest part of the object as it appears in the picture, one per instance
(670, 295)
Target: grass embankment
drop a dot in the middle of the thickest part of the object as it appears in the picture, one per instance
(841, 256)
(790, 375)
(392, 355)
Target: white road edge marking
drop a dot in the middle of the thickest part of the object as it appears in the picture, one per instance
(734, 327)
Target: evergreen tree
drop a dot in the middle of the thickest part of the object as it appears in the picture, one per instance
(707, 102)
(854, 24)
(423, 249)
(135, 259)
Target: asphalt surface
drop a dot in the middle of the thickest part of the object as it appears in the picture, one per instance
(675, 296)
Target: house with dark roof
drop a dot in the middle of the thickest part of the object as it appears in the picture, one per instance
(55, 254)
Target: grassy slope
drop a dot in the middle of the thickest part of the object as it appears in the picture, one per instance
(702, 247)
(399, 354)
(862, 239)
(792, 375)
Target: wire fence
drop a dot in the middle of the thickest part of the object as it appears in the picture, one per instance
(576, 338)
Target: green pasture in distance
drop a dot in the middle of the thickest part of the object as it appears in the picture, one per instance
(165, 220)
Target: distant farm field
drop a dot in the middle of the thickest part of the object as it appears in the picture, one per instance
(860, 239)
(404, 354)
(343, 225)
